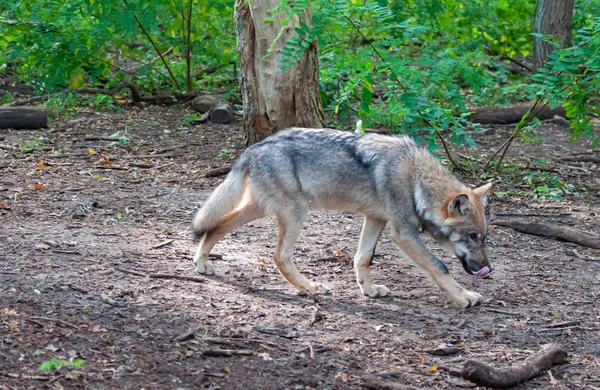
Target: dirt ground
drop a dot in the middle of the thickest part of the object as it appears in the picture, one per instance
(78, 232)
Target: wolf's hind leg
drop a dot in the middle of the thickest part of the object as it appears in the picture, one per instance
(238, 217)
(371, 231)
(289, 227)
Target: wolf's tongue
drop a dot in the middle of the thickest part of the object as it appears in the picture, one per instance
(482, 272)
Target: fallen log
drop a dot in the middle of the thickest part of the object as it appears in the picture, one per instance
(23, 118)
(511, 113)
(220, 109)
(536, 364)
(564, 233)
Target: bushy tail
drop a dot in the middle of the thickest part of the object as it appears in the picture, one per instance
(222, 201)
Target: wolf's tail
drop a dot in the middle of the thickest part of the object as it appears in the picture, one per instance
(222, 201)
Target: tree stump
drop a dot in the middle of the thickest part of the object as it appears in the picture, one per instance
(220, 109)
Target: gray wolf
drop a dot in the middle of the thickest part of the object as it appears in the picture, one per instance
(389, 180)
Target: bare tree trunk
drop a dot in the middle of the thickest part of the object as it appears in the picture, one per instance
(552, 17)
(273, 98)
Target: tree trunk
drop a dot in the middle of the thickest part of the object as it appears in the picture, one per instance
(552, 17)
(274, 99)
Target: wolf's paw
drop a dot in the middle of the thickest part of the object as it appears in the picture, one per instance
(315, 288)
(467, 299)
(376, 291)
(205, 267)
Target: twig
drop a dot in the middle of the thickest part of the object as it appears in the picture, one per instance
(509, 313)
(116, 168)
(109, 301)
(55, 320)
(36, 322)
(459, 166)
(164, 243)
(79, 289)
(580, 256)
(25, 376)
(188, 334)
(218, 171)
(563, 324)
(197, 279)
(162, 166)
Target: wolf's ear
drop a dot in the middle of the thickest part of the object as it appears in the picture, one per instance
(459, 206)
(482, 192)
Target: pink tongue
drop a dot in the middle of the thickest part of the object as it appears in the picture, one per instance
(482, 272)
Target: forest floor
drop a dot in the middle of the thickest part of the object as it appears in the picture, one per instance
(78, 232)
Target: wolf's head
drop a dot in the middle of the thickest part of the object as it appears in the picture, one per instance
(463, 227)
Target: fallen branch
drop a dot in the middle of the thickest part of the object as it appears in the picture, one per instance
(380, 384)
(198, 279)
(564, 233)
(563, 324)
(188, 334)
(109, 301)
(164, 243)
(276, 332)
(114, 167)
(25, 376)
(512, 113)
(581, 159)
(446, 351)
(218, 171)
(538, 363)
(580, 256)
(54, 320)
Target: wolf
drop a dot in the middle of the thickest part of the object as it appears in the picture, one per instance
(387, 179)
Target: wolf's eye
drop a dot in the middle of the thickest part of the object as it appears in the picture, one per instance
(473, 236)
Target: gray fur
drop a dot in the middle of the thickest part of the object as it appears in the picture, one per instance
(386, 179)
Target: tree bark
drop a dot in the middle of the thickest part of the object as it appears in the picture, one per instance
(273, 98)
(23, 117)
(552, 17)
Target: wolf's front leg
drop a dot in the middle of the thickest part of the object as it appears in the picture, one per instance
(371, 231)
(415, 250)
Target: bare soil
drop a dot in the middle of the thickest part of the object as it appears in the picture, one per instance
(76, 227)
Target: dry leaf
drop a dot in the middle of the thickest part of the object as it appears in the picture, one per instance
(38, 186)
(91, 151)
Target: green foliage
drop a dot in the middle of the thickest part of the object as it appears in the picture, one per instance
(542, 185)
(66, 44)
(57, 364)
(572, 79)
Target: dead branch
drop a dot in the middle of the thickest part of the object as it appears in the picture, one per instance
(54, 320)
(512, 113)
(188, 334)
(446, 351)
(25, 376)
(563, 324)
(538, 363)
(380, 384)
(23, 117)
(197, 279)
(564, 233)
(218, 171)
(109, 301)
(164, 243)
(580, 256)
(591, 159)
(114, 167)
(276, 332)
